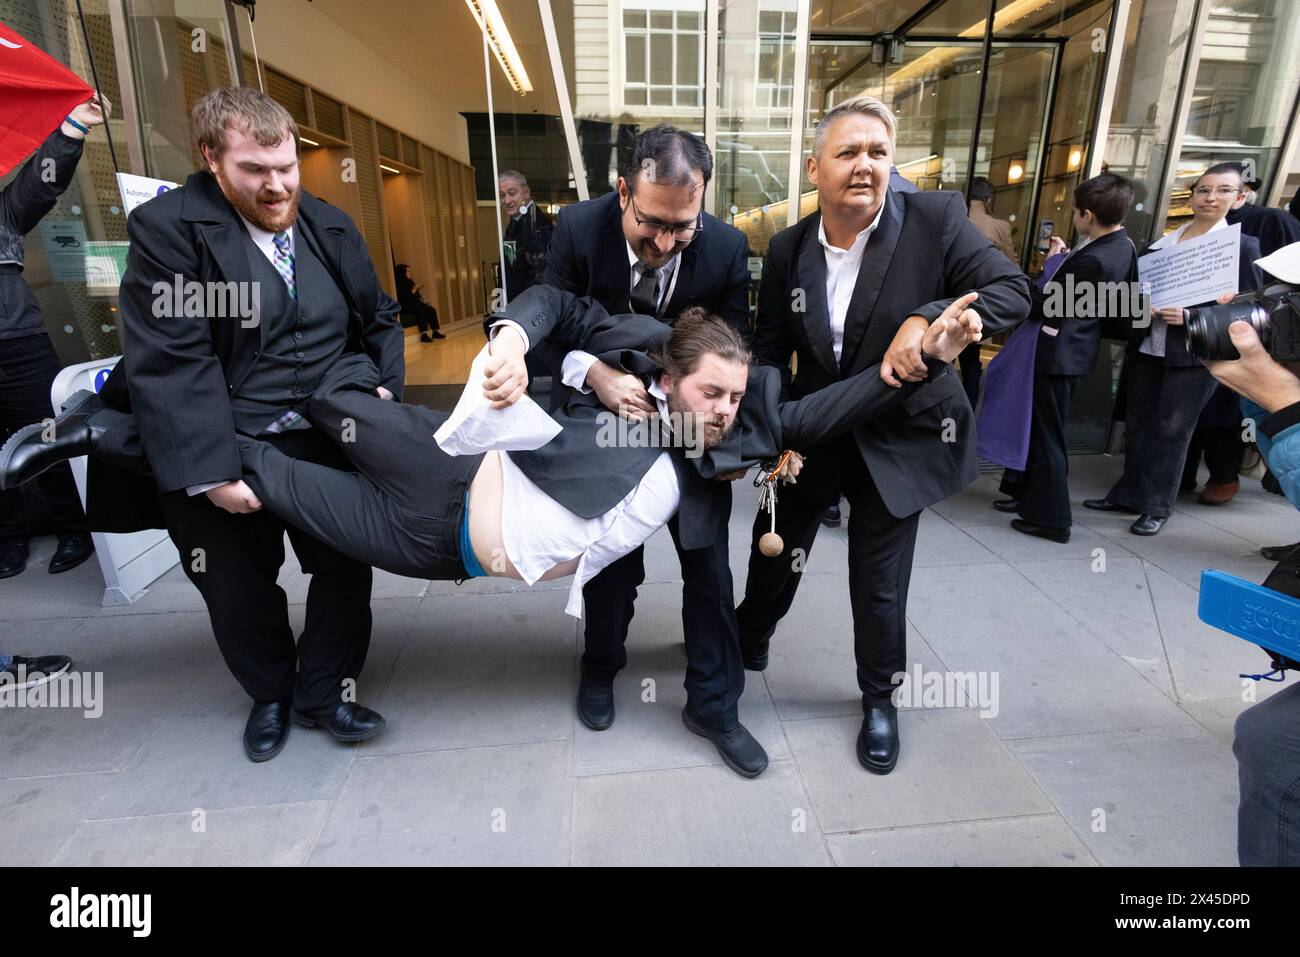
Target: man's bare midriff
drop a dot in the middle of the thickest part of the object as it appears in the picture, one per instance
(486, 492)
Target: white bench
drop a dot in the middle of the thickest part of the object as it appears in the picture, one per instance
(130, 562)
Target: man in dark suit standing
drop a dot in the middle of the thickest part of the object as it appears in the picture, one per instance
(202, 368)
(1093, 278)
(528, 232)
(854, 284)
(650, 248)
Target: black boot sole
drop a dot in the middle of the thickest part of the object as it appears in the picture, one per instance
(694, 728)
(348, 737)
(592, 725)
(258, 758)
(10, 447)
(875, 767)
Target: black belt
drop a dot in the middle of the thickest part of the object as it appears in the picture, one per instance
(10, 267)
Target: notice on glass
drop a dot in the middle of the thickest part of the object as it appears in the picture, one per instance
(1194, 271)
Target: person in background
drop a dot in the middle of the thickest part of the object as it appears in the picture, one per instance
(28, 362)
(528, 233)
(1274, 228)
(409, 298)
(1068, 346)
(1167, 386)
(1218, 431)
(998, 232)
(1266, 737)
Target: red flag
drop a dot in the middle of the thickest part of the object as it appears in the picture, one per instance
(36, 93)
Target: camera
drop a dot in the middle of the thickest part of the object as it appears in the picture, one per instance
(1273, 312)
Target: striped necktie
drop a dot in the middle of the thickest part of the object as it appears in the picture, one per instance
(284, 262)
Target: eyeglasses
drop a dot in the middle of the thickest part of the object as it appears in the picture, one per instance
(682, 233)
(1221, 190)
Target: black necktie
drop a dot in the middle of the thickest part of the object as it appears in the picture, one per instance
(645, 294)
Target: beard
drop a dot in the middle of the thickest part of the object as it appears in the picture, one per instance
(254, 213)
(711, 429)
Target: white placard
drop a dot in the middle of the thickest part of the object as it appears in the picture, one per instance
(1194, 271)
(136, 190)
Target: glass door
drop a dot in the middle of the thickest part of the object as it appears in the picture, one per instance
(934, 88)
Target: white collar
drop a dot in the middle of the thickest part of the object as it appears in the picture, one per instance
(1172, 238)
(262, 236)
(667, 269)
(821, 230)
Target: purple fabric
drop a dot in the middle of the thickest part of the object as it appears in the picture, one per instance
(1003, 426)
(1050, 266)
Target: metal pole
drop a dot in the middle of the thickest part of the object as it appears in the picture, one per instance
(492, 135)
(984, 85)
(562, 94)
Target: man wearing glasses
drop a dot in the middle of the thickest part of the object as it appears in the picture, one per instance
(649, 247)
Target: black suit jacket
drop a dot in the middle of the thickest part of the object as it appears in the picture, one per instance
(1073, 350)
(765, 423)
(1274, 228)
(588, 257)
(923, 254)
(177, 375)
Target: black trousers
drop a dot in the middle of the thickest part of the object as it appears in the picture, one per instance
(971, 372)
(426, 317)
(390, 497)
(1043, 488)
(1218, 439)
(715, 675)
(28, 366)
(1163, 405)
(233, 560)
(880, 567)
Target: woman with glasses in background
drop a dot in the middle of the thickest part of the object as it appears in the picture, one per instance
(1166, 387)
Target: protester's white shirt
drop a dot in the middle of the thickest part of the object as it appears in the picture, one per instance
(842, 267)
(573, 371)
(1154, 343)
(540, 533)
(266, 243)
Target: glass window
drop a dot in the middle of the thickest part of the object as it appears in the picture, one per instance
(75, 284)
(1245, 87)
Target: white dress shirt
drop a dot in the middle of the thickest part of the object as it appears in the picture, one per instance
(842, 267)
(540, 533)
(266, 243)
(1154, 343)
(573, 371)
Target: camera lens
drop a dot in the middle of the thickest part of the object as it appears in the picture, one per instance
(1207, 328)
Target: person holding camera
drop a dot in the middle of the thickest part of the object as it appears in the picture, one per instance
(1266, 740)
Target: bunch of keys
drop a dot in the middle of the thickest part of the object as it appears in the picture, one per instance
(770, 544)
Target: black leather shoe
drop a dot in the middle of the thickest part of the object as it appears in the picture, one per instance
(1275, 553)
(831, 517)
(345, 721)
(266, 730)
(1147, 525)
(878, 739)
(1061, 535)
(72, 551)
(1106, 505)
(739, 750)
(13, 558)
(1007, 505)
(754, 658)
(28, 453)
(595, 703)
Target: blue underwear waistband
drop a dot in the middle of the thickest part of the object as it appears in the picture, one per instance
(467, 558)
